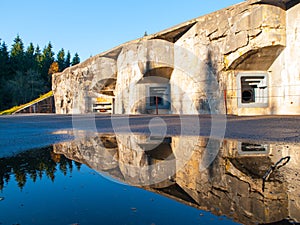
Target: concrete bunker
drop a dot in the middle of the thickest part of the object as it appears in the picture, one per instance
(252, 67)
(155, 91)
(104, 99)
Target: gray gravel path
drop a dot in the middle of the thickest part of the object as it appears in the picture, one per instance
(22, 132)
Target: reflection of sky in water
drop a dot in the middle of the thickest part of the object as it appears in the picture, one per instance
(82, 196)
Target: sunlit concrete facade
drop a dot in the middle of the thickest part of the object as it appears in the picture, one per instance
(242, 60)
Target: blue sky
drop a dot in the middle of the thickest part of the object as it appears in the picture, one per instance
(92, 26)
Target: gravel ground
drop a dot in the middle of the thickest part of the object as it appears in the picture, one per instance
(22, 132)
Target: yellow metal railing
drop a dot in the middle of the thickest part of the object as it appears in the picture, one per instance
(20, 107)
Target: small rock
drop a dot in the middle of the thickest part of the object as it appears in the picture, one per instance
(134, 209)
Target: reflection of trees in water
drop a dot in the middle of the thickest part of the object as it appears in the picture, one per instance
(33, 164)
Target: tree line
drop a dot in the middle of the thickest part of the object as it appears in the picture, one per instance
(34, 164)
(25, 73)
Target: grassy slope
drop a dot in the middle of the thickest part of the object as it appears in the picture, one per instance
(17, 108)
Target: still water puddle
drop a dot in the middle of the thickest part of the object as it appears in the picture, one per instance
(134, 179)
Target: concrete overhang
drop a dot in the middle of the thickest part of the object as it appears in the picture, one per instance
(285, 4)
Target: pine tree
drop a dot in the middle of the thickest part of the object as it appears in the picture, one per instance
(38, 54)
(17, 88)
(17, 47)
(61, 60)
(76, 59)
(4, 74)
(17, 55)
(47, 60)
(4, 60)
(68, 60)
(35, 84)
(30, 50)
(24, 74)
(30, 57)
(24, 87)
(48, 54)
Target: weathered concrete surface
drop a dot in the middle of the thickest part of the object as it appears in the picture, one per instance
(74, 88)
(231, 185)
(290, 74)
(198, 63)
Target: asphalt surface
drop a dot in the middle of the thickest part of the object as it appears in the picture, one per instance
(23, 132)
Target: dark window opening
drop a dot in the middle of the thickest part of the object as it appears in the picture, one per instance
(252, 90)
(154, 99)
(248, 96)
(158, 96)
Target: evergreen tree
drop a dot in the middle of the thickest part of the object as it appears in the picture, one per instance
(38, 56)
(17, 47)
(76, 59)
(4, 60)
(61, 60)
(25, 87)
(68, 60)
(17, 55)
(4, 74)
(30, 50)
(47, 60)
(24, 74)
(36, 84)
(30, 57)
(17, 87)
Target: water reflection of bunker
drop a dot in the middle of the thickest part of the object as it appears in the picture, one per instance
(232, 185)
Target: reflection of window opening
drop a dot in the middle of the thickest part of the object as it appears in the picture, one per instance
(160, 139)
(252, 90)
(157, 147)
(246, 147)
(161, 152)
(250, 148)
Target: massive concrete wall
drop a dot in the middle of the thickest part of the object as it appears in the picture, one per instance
(285, 71)
(74, 88)
(199, 65)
